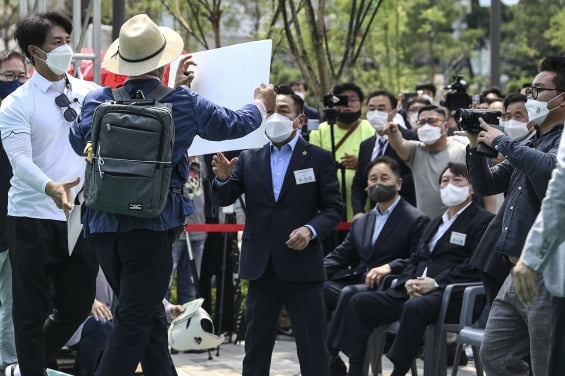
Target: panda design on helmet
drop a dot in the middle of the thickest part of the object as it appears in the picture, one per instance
(193, 329)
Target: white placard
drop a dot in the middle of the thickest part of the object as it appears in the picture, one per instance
(228, 76)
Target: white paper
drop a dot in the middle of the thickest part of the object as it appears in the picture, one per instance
(228, 76)
(74, 226)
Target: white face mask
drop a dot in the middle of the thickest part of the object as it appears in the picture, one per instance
(377, 119)
(278, 128)
(429, 134)
(452, 195)
(515, 129)
(59, 59)
(538, 110)
(413, 119)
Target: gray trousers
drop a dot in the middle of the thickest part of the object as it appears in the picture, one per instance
(7, 341)
(515, 331)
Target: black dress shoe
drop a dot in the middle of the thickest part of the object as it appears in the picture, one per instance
(337, 367)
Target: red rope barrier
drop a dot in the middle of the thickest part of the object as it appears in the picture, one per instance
(222, 227)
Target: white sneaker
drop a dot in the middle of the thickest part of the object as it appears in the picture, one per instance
(12, 370)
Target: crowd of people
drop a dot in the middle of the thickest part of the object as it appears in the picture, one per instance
(424, 203)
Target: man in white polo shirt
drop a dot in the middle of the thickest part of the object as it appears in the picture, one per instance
(52, 290)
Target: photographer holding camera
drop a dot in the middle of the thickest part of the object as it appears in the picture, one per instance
(514, 330)
(342, 136)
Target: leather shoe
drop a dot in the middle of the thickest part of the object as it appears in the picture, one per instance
(337, 367)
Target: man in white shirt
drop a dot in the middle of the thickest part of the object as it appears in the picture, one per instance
(53, 291)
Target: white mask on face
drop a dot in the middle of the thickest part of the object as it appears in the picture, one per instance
(278, 128)
(377, 119)
(515, 129)
(538, 110)
(429, 134)
(59, 59)
(413, 119)
(452, 195)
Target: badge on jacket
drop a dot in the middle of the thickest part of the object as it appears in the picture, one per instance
(304, 176)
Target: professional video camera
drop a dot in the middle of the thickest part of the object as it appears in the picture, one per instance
(457, 97)
(468, 120)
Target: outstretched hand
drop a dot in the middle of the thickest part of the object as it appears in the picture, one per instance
(223, 167)
(61, 194)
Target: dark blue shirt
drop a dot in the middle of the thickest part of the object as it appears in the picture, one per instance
(524, 174)
(193, 115)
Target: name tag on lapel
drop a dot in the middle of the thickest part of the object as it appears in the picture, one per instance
(304, 176)
(457, 238)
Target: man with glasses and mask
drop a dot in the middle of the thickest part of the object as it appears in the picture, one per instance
(516, 331)
(57, 286)
(349, 131)
(428, 157)
(13, 74)
(293, 201)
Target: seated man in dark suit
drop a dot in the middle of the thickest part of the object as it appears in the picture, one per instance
(378, 242)
(442, 258)
(380, 106)
(383, 237)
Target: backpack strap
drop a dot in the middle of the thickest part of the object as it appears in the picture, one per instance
(158, 92)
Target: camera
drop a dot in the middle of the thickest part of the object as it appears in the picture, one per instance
(458, 97)
(468, 119)
(331, 100)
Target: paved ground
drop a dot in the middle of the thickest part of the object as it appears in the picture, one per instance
(284, 362)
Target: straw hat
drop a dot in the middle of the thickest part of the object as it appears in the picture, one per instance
(142, 47)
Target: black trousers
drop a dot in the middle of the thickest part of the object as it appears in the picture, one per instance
(53, 292)
(137, 265)
(304, 303)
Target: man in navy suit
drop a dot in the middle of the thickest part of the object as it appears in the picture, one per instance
(293, 201)
(380, 110)
(378, 243)
(442, 258)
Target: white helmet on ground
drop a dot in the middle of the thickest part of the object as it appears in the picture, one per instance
(193, 329)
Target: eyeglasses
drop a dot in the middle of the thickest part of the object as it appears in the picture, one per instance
(431, 121)
(534, 91)
(11, 76)
(63, 101)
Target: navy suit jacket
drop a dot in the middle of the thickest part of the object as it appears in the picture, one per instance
(397, 240)
(449, 261)
(268, 222)
(358, 193)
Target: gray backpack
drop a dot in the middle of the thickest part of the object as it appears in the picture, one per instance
(132, 144)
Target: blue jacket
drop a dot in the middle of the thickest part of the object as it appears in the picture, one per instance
(193, 115)
(524, 174)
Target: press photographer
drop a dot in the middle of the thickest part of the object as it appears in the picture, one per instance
(343, 132)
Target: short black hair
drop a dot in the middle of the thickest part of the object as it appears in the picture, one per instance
(11, 54)
(427, 86)
(297, 99)
(299, 82)
(338, 89)
(435, 108)
(555, 64)
(493, 90)
(422, 100)
(513, 98)
(391, 97)
(33, 29)
(390, 162)
(457, 169)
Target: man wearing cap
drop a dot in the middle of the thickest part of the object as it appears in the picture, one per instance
(135, 253)
(52, 290)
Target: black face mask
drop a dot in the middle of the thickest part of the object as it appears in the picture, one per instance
(382, 193)
(348, 117)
